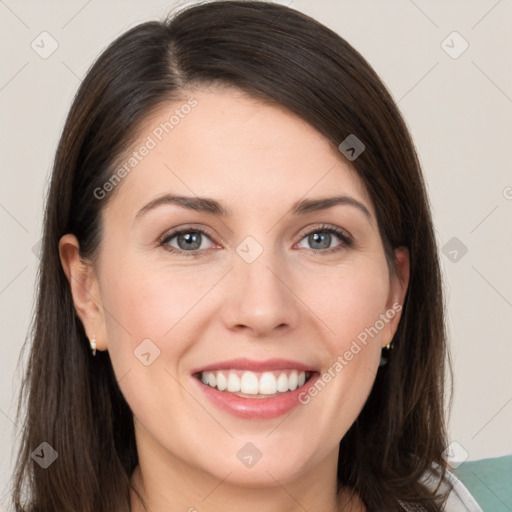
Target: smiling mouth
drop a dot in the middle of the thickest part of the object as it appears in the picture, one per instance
(249, 384)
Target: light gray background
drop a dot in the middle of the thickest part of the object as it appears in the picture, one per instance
(459, 111)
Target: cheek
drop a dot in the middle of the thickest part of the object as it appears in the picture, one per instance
(147, 303)
(349, 302)
(147, 337)
(350, 305)
(155, 316)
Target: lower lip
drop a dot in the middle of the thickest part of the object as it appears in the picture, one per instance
(256, 408)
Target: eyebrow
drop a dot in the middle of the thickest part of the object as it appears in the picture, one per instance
(207, 205)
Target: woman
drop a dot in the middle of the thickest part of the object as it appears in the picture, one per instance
(240, 302)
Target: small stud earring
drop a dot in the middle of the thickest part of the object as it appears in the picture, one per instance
(93, 345)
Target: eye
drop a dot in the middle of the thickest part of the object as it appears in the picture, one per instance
(187, 241)
(321, 237)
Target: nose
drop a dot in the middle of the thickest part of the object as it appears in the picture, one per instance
(259, 297)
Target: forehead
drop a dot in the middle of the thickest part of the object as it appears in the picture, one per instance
(226, 144)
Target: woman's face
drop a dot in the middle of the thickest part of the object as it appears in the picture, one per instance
(257, 290)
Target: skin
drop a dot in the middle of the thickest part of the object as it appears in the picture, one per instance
(257, 160)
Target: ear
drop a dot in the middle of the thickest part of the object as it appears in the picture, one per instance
(399, 283)
(84, 288)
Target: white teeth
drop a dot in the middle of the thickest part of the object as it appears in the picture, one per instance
(268, 384)
(249, 383)
(222, 382)
(233, 383)
(293, 381)
(282, 383)
(253, 383)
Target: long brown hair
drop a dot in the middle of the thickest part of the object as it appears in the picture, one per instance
(278, 55)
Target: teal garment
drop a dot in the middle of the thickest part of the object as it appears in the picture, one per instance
(489, 481)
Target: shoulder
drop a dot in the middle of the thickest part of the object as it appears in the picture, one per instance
(459, 498)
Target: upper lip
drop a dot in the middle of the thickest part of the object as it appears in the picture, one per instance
(255, 366)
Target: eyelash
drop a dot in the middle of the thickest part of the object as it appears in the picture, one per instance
(346, 240)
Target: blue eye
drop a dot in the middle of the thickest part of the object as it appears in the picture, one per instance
(189, 242)
(323, 236)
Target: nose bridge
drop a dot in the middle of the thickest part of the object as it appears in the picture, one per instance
(260, 298)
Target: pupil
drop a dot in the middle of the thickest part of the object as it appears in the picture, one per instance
(326, 236)
(190, 240)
